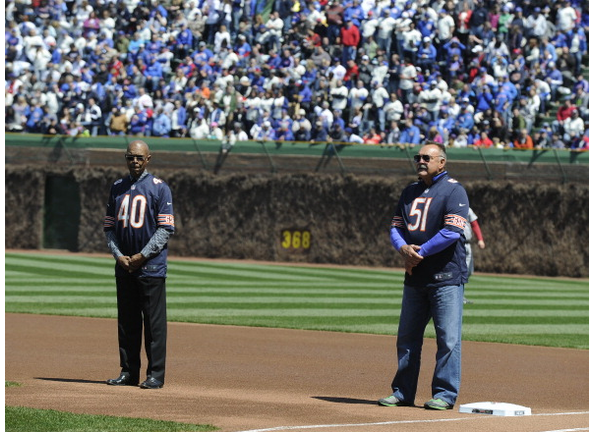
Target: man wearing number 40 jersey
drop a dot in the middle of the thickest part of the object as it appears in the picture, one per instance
(138, 223)
(428, 232)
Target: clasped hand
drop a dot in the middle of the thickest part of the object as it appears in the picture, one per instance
(411, 257)
(131, 263)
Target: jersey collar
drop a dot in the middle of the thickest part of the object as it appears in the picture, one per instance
(438, 176)
(143, 175)
(435, 179)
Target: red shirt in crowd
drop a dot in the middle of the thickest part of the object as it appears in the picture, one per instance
(352, 71)
(524, 144)
(564, 112)
(483, 141)
(350, 35)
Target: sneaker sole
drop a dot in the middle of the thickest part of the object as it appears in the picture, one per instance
(386, 404)
(438, 408)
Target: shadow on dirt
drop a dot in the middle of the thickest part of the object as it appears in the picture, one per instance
(70, 380)
(344, 400)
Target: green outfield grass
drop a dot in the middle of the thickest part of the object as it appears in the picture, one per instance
(20, 419)
(531, 311)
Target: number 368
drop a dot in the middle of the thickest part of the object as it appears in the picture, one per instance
(295, 239)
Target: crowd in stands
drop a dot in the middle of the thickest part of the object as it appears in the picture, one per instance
(461, 72)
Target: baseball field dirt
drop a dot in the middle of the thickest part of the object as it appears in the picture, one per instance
(247, 379)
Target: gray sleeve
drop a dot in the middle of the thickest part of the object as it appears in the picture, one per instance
(112, 244)
(156, 243)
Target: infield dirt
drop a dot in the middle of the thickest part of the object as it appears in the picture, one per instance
(240, 379)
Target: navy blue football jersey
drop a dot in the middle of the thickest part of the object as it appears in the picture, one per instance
(421, 213)
(135, 210)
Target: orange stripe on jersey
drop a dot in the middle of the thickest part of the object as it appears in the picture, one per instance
(166, 219)
(455, 220)
(108, 222)
(397, 222)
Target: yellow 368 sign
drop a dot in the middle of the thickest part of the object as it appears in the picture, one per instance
(295, 239)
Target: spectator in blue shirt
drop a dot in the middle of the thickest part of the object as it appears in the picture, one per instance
(464, 121)
(137, 124)
(34, 117)
(318, 133)
(153, 73)
(155, 44)
(129, 89)
(445, 124)
(548, 50)
(453, 47)
(203, 54)
(135, 44)
(410, 134)
(304, 95)
(161, 124)
(274, 61)
(243, 50)
(426, 25)
(560, 40)
(426, 54)
(284, 133)
(355, 13)
(484, 98)
(184, 40)
(501, 101)
(554, 78)
(509, 88)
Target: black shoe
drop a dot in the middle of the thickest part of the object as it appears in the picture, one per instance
(123, 380)
(151, 383)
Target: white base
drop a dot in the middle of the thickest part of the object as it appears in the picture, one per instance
(495, 408)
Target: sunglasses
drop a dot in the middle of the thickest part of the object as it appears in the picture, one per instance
(132, 157)
(426, 158)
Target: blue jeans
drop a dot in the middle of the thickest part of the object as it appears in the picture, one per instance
(419, 305)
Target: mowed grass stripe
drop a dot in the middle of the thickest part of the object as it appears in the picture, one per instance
(535, 329)
(479, 329)
(530, 290)
(71, 270)
(191, 285)
(391, 312)
(262, 271)
(47, 288)
(494, 295)
(318, 272)
(512, 333)
(313, 298)
(45, 260)
(519, 282)
(222, 268)
(282, 295)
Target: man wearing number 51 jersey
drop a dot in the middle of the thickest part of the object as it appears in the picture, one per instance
(138, 223)
(428, 232)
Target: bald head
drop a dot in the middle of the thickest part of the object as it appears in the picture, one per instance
(137, 157)
(138, 147)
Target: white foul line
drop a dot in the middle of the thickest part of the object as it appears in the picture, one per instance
(286, 428)
(569, 430)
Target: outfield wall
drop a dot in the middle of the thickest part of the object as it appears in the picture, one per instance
(529, 228)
